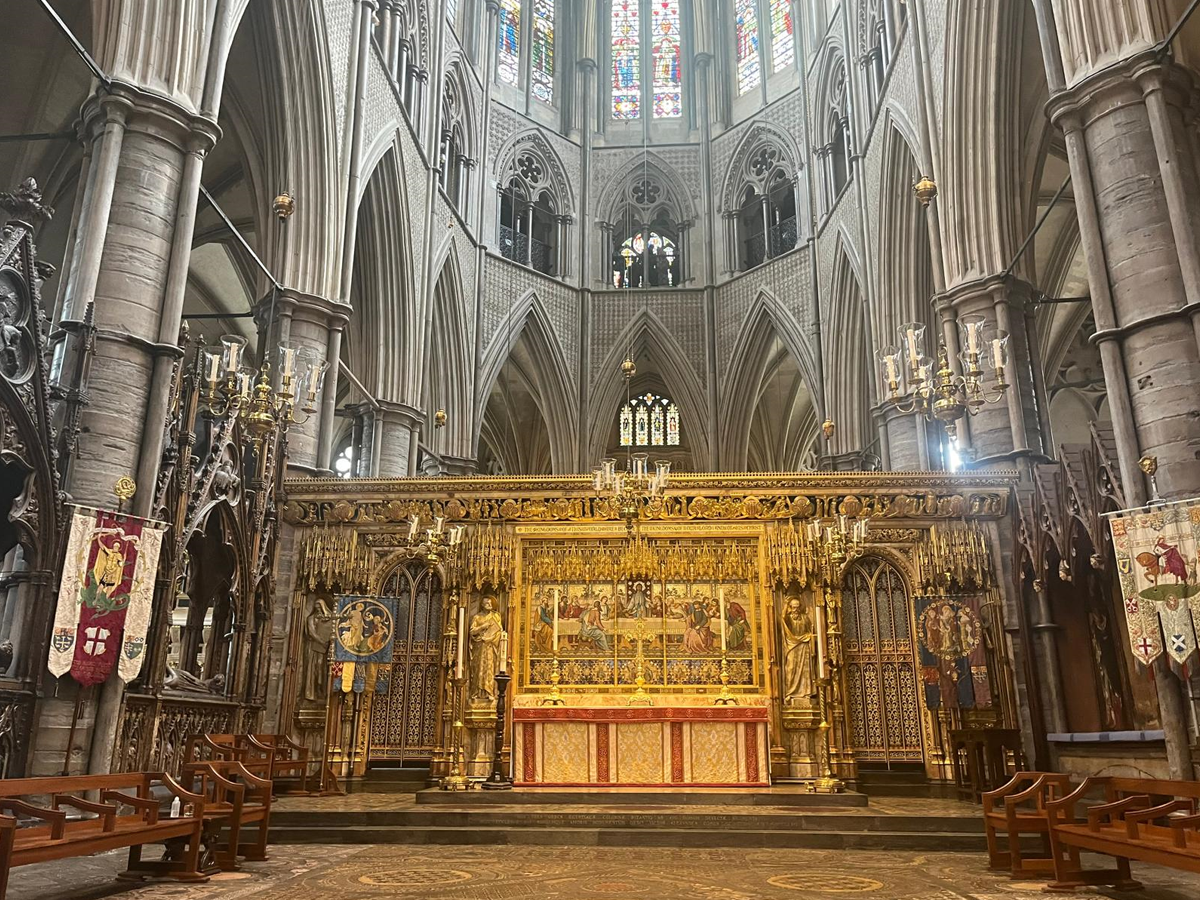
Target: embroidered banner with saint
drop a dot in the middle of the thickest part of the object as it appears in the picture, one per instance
(366, 631)
(952, 654)
(105, 597)
(1157, 551)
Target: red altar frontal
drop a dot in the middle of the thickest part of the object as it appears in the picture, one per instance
(641, 746)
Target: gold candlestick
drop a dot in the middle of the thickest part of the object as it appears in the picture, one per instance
(725, 698)
(554, 698)
(828, 783)
(457, 780)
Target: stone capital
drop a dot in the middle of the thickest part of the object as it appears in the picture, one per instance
(989, 290)
(1121, 83)
(393, 412)
(132, 107)
(304, 307)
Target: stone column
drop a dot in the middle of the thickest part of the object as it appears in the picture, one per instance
(305, 320)
(397, 430)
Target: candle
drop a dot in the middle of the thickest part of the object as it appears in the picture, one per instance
(889, 365)
(721, 596)
(462, 640)
(913, 355)
(439, 524)
(413, 524)
(820, 629)
(503, 652)
(998, 354)
(214, 367)
(557, 593)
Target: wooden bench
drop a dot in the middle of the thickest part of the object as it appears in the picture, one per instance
(1145, 819)
(275, 757)
(1018, 809)
(105, 825)
(236, 798)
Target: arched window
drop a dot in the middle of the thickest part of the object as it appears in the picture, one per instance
(452, 12)
(527, 22)
(783, 39)
(543, 50)
(760, 200)
(454, 160)
(647, 234)
(649, 420)
(664, 62)
(508, 63)
(753, 57)
(532, 219)
(749, 66)
(835, 154)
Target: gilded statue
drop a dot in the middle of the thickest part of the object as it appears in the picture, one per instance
(485, 633)
(318, 632)
(799, 641)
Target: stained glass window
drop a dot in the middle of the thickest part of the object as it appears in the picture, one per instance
(626, 61)
(783, 42)
(664, 23)
(543, 50)
(649, 420)
(509, 62)
(749, 70)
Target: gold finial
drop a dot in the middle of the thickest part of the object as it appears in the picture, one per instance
(926, 190)
(125, 487)
(284, 205)
(628, 368)
(1149, 465)
(439, 419)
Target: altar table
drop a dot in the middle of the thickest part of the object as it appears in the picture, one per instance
(714, 746)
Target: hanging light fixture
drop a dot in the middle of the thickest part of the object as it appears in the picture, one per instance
(913, 385)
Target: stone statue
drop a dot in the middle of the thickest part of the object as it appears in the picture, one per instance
(485, 632)
(798, 645)
(318, 631)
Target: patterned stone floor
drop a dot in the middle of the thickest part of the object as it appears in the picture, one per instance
(508, 873)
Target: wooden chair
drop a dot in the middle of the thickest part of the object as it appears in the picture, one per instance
(237, 798)
(1016, 809)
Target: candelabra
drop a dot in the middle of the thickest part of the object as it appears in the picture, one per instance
(437, 541)
(828, 549)
(554, 698)
(231, 392)
(499, 780)
(941, 394)
(633, 488)
(954, 559)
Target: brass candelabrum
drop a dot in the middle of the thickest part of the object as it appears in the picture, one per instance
(725, 698)
(457, 779)
(639, 637)
(633, 488)
(914, 385)
(554, 698)
(436, 541)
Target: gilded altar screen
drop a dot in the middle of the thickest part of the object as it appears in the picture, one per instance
(665, 610)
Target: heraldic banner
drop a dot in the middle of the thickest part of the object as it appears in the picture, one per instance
(105, 597)
(1157, 550)
(362, 653)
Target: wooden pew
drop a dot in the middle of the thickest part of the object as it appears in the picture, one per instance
(1145, 819)
(1019, 808)
(236, 798)
(289, 761)
(110, 827)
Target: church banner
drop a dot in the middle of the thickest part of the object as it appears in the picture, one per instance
(366, 631)
(1157, 550)
(952, 654)
(105, 596)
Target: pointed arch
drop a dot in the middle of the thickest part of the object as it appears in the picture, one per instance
(656, 351)
(768, 345)
(533, 143)
(384, 340)
(449, 360)
(526, 338)
(847, 353)
(740, 173)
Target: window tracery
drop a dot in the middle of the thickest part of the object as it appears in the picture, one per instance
(647, 59)
(649, 420)
(647, 234)
(761, 200)
(835, 155)
(454, 160)
(533, 209)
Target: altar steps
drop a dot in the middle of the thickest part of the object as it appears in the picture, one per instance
(899, 780)
(658, 826)
(389, 780)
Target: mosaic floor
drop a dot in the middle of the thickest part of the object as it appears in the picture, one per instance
(470, 873)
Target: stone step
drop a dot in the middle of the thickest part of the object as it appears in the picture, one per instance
(765, 819)
(669, 797)
(635, 837)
